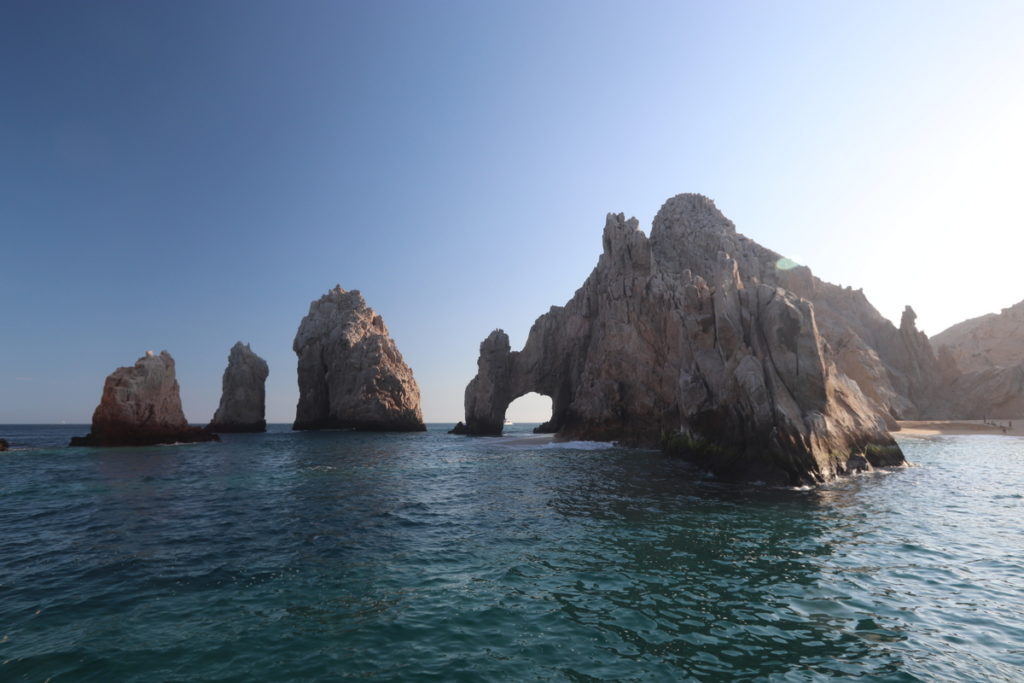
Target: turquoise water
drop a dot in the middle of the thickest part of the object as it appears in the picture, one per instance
(304, 556)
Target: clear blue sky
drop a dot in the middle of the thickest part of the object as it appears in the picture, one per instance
(183, 175)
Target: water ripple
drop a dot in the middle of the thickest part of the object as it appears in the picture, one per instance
(293, 556)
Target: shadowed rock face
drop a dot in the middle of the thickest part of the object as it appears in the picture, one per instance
(243, 397)
(141, 405)
(351, 375)
(687, 339)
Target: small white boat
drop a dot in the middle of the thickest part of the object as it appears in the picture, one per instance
(508, 422)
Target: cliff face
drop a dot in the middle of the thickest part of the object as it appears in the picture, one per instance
(894, 367)
(351, 375)
(990, 341)
(988, 353)
(243, 396)
(686, 339)
(141, 405)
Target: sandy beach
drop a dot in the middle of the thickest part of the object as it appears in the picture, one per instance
(926, 428)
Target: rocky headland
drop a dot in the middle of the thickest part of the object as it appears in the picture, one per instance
(702, 341)
(351, 374)
(243, 394)
(141, 406)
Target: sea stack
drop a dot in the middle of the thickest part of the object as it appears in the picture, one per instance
(351, 375)
(685, 339)
(243, 395)
(141, 406)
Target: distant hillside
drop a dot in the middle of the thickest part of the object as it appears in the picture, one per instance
(988, 341)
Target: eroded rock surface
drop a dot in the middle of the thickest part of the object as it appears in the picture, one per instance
(243, 395)
(141, 405)
(351, 375)
(691, 339)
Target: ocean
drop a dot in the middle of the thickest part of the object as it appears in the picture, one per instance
(300, 556)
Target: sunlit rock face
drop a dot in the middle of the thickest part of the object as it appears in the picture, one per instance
(243, 396)
(141, 405)
(688, 339)
(351, 375)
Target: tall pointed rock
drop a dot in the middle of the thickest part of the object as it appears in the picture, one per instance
(243, 396)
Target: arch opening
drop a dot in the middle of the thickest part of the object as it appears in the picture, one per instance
(531, 409)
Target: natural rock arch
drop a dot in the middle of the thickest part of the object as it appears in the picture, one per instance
(691, 336)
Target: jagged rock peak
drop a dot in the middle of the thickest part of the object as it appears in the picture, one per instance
(141, 405)
(908, 321)
(351, 374)
(243, 395)
(688, 339)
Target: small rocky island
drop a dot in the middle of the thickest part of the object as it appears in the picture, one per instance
(141, 406)
(351, 374)
(243, 394)
(688, 340)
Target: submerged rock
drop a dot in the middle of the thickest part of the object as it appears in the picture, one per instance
(351, 375)
(140, 406)
(243, 396)
(686, 340)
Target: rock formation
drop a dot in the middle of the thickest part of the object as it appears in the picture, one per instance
(990, 341)
(988, 356)
(351, 375)
(243, 395)
(4, 445)
(691, 339)
(141, 406)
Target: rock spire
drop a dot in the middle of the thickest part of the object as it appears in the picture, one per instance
(351, 374)
(243, 396)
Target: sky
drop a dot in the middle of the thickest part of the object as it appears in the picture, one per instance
(185, 175)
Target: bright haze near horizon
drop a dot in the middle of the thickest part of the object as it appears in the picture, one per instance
(183, 176)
